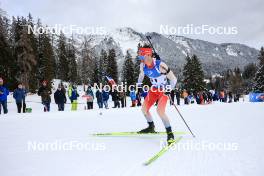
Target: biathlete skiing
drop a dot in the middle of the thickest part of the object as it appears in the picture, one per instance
(159, 74)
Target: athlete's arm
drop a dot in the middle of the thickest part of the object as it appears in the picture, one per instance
(141, 73)
(164, 69)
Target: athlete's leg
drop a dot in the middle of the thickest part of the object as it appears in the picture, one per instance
(161, 110)
(148, 102)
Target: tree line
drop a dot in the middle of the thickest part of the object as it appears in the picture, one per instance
(30, 58)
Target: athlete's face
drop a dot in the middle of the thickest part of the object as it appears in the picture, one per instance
(148, 60)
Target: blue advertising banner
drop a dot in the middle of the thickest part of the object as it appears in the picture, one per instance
(256, 97)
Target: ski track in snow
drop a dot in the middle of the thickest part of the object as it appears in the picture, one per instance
(240, 123)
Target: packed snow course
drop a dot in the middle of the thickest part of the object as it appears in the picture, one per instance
(228, 141)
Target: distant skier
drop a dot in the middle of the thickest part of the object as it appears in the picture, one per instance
(158, 72)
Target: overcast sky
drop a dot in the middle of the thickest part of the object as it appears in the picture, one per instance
(148, 15)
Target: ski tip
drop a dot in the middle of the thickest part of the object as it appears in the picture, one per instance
(145, 164)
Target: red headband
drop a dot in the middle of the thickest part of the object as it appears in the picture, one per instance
(145, 51)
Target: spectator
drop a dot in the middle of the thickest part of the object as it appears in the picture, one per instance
(122, 96)
(138, 99)
(133, 97)
(24, 100)
(90, 97)
(45, 92)
(99, 97)
(3, 96)
(172, 95)
(115, 98)
(222, 96)
(105, 97)
(178, 96)
(60, 98)
(185, 97)
(230, 97)
(74, 98)
(19, 95)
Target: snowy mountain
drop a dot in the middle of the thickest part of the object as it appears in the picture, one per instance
(173, 49)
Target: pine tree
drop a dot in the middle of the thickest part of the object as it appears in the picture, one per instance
(49, 58)
(33, 83)
(96, 73)
(261, 56)
(24, 53)
(193, 75)
(248, 76)
(259, 77)
(72, 62)
(249, 71)
(102, 66)
(128, 74)
(112, 70)
(5, 50)
(88, 64)
(63, 63)
(46, 64)
(259, 80)
(236, 81)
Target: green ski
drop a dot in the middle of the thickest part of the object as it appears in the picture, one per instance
(161, 152)
(135, 133)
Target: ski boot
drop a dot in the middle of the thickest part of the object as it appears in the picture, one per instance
(149, 129)
(170, 136)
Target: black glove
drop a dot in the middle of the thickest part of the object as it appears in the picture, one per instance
(156, 56)
(167, 92)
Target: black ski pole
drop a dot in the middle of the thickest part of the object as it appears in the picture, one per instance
(181, 116)
(155, 53)
(148, 38)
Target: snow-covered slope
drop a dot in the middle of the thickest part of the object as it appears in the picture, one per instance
(237, 126)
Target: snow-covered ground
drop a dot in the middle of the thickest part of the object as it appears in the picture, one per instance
(229, 142)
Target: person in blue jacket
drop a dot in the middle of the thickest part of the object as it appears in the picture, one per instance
(105, 97)
(3, 96)
(99, 97)
(20, 95)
